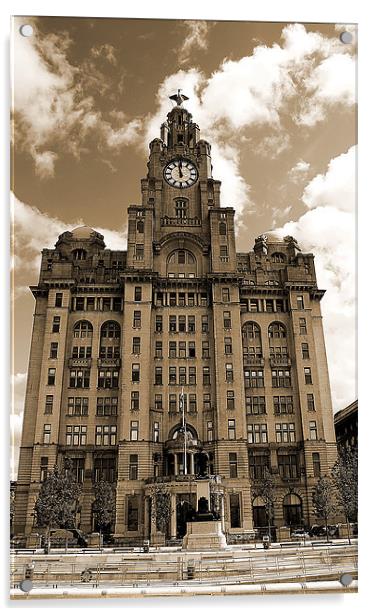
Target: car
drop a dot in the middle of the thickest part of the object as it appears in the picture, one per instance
(300, 534)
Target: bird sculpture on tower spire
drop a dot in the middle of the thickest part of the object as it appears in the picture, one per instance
(179, 98)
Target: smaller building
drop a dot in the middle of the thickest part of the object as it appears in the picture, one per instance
(345, 424)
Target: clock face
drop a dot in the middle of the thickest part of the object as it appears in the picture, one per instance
(180, 173)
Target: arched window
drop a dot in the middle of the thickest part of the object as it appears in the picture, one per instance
(110, 329)
(79, 254)
(181, 208)
(181, 264)
(259, 512)
(83, 329)
(140, 226)
(278, 257)
(178, 432)
(222, 228)
(277, 330)
(251, 342)
(292, 510)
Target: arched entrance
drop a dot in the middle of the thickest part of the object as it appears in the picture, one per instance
(259, 512)
(292, 510)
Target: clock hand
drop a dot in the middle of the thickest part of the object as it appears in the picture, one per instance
(180, 170)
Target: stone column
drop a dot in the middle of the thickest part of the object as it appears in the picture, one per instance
(176, 470)
(173, 515)
(192, 463)
(146, 517)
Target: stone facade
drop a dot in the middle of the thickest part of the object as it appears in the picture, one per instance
(345, 424)
(119, 335)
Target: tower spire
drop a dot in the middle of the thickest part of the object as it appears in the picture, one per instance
(179, 98)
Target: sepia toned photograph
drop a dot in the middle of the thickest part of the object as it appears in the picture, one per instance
(184, 399)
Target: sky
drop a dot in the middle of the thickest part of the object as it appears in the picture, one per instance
(276, 101)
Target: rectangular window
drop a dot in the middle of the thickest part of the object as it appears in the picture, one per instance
(235, 510)
(310, 402)
(230, 399)
(172, 375)
(104, 469)
(159, 299)
(305, 351)
(192, 403)
(206, 402)
(133, 467)
(269, 303)
(43, 468)
(206, 375)
(231, 429)
(204, 323)
(138, 294)
(182, 349)
(135, 373)
(233, 465)
(191, 299)
(257, 433)
(158, 402)
(56, 325)
(135, 400)
(136, 346)
(47, 434)
(58, 300)
(182, 323)
(76, 435)
(181, 299)
(300, 302)
(172, 349)
(48, 410)
(172, 403)
(285, 432)
(182, 375)
(134, 431)
(255, 405)
(158, 349)
(205, 349)
(132, 513)
(227, 323)
(156, 432)
(77, 406)
(79, 303)
(210, 431)
(172, 299)
(137, 319)
(308, 376)
(302, 326)
(158, 376)
(172, 323)
(283, 405)
(229, 373)
(158, 323)
(313, 431)
(117, 304)
(253, 305)
(106, 406)
(51, 376)
(191, 349)
(288, 466)
(223, 252)
(139, 252)
(258, 465)
(225, 295)
(108, 379)
(316, 464)
(228, 346)
(191, 324)
(281, 378)
(254, 378)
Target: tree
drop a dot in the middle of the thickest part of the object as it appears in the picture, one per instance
(55, 505)
(104, 504)
(265, 488)
(345, 479)
(161, 507)
(324, 501)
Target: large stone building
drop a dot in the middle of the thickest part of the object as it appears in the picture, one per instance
(345, 424)
(119, 335)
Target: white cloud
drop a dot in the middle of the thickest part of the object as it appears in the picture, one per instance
(328, 230)
(105, 51)
(53, 101)
(299, 171)
(196, 38)
(258, 90)
(34, 231)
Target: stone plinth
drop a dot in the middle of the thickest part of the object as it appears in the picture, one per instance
(206, 535)
(33, 541)
(284, 533)
(94, 540)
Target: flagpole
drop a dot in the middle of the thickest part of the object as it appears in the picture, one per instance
(185, 435)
